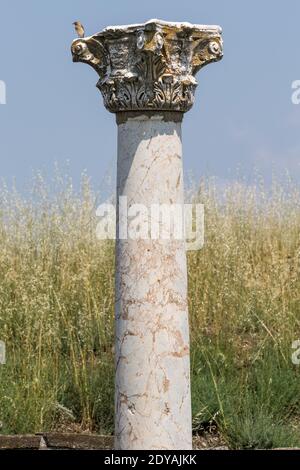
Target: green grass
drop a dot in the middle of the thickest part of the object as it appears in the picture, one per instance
(57, 301)
(253, 406)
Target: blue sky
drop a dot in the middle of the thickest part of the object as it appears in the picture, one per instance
(243, 117)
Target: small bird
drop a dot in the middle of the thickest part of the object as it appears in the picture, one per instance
(79, 29)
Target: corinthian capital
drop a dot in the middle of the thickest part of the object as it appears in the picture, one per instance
(150, 66)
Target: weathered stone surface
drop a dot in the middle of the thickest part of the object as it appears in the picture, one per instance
(44, 441)
(153, 403)
(20, 442)
(149, 66)
(77, 441)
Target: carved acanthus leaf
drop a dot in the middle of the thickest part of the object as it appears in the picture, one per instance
(150, 66)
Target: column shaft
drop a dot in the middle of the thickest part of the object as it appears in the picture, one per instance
(153, 405)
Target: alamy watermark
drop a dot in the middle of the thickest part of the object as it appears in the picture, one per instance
(154, 222)
(296, 93)
(296, 353)
(2, 353)
(2, 92)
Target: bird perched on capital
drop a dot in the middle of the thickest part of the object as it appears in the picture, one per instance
(79, 29)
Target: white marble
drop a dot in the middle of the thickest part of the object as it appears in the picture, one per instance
(179, 25)
(153, 404)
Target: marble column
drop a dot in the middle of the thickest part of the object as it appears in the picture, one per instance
(147, 78)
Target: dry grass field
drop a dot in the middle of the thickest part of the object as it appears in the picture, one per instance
(56, 314)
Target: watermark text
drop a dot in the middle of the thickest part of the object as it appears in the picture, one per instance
(2, 353)
(296, 93)
(152, 222)
(2, 92)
